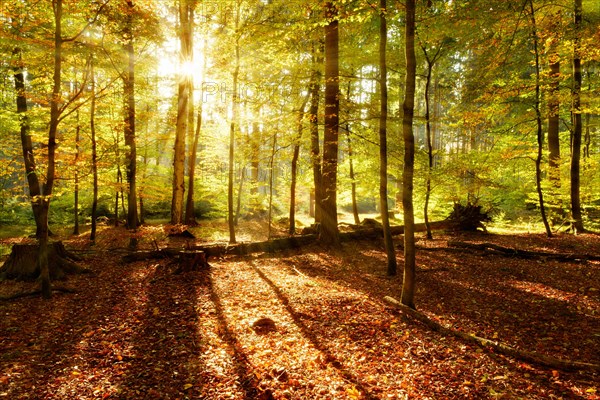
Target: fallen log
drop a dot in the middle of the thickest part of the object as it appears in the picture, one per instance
(491, 248)
(217, 250)
(273, 245)
(499, 347)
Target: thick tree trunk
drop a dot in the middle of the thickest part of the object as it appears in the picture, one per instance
(409, 277)
(129, 92)
(383, 156)
(329, 223)
(183, 98)
(313, 112)
(190, 215)
(577, 123)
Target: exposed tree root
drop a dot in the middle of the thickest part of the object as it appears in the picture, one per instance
(523, 355)
(492, 248)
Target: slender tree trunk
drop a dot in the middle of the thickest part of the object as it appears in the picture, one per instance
(577, 123)
(255, 140)
(232, 129)
(26, 143)
(355, 213)
(538, 117)
(238, 204)
(554, 120)
(383, 156)
(313, 115)
(409, 278)
(190, 214)
(294, 172)
(271, 183)
(430, 64)
(329, 223)
(129, 89)
(76, 179)
(94, 151)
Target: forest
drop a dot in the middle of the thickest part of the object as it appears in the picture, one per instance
(268, 199)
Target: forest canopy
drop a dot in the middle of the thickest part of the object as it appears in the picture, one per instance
(232, 97)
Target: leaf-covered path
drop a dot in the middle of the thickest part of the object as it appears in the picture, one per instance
(136, 331)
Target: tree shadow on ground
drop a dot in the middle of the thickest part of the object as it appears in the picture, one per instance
(242, 365)
(163, 358)
(312, 337)
(467, 291)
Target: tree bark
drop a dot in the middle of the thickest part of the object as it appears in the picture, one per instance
(554, 119)
(94, 152)
(76, 179)
(383, 156)
(235, 107)
(577, 123)
(294, 172)
(190, 214)
(409, 277)
(129, 92)
(329, 223)
(26, 143)
(313, 112)
(183, 98)
(538, 118)
(431, 60)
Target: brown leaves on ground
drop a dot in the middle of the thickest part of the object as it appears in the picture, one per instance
(137, 331)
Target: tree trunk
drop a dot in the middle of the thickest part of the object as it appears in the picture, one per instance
(271, 183)
(232, 128)
(190, 214)
(26, 143)
(554, 119)
(183, 98)
(76, 179)
(294, 172)
(577, 123)
(538, 118)
(355, 213)
(383, 162)
(329, 223)
(94, 151)
(129, 92)
(409, 278)
(313, 115)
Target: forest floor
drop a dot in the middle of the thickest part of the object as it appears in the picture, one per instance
(138, 331)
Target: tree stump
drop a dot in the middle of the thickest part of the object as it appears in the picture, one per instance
(22, 264)
(190, 260)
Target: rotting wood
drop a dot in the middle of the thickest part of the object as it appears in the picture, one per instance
(499, 347)
(492, 248)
